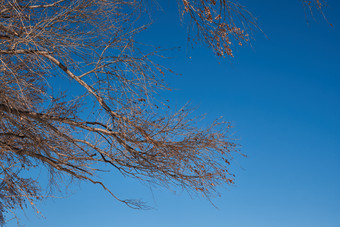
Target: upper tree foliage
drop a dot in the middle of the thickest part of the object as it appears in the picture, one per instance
(114, 116)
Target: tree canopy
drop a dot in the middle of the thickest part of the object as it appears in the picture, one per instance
(115, 115)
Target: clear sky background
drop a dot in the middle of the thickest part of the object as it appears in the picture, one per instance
(282, 95)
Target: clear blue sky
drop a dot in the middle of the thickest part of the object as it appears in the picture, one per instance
(282, 95)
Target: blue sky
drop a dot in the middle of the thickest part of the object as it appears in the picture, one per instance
(282, 94)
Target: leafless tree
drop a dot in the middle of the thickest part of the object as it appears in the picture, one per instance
(114, 115)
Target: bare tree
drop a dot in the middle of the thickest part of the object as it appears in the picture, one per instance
(114, 115)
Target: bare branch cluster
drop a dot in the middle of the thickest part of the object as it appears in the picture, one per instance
(312, 6)
(219, 23)
(90, 44)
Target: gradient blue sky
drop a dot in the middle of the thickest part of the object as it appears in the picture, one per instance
(282, 95)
